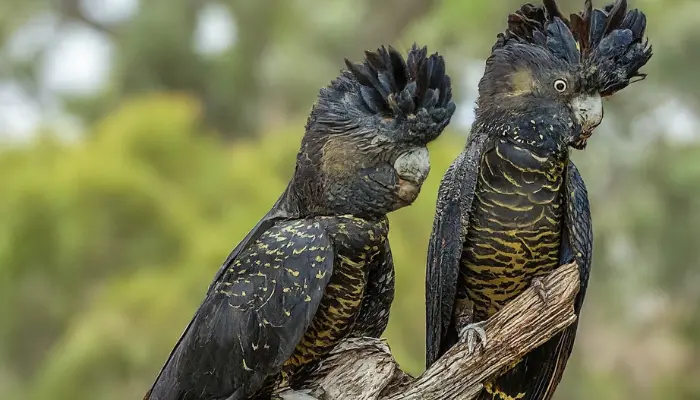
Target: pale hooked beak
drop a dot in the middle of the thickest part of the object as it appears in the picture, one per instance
(413, 165)
(588, 110)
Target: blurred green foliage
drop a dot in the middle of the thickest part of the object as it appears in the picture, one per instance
(108, 246)
(108, 242)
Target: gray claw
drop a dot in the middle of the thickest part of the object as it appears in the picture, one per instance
(474, 335)
(541, 290)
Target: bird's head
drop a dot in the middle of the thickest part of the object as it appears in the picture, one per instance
(550, 74)
(364, 151)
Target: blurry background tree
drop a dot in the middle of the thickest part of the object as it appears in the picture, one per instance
(142, 139)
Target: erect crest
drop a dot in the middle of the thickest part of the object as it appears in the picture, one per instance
(385, 87)
(544, 26)
(609, 42)
(390, 84)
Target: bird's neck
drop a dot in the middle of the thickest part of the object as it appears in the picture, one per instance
(298, 200)
(542, 134)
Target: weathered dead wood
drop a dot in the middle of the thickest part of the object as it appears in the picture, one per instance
(364, 369)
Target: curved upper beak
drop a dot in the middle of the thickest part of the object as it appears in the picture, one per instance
(589, 111)
(413, 165)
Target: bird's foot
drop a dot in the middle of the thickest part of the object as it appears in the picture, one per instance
(540, 288)
(474, 335)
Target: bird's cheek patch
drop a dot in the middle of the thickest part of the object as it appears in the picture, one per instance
(340, 158)
(521, 82)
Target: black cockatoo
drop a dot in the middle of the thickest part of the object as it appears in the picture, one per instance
(512, 206)
(317, 268)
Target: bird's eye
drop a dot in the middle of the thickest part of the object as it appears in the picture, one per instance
(560, 85)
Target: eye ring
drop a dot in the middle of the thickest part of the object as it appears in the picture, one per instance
(560, 85)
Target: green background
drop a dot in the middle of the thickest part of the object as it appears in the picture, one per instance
(110, 236)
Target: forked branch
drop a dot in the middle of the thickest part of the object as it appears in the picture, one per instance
(364, 369)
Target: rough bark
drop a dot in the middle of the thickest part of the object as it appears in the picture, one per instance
(364, 369)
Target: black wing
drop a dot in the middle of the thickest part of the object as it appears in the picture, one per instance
(253, 316)
(445, 248)
(577, 244)
(278, 212)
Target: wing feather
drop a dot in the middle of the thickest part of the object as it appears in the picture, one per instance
(577, 245)
(278, 212)
(454, 203)
(252, 317)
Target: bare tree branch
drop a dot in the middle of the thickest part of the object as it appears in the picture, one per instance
(364, 369)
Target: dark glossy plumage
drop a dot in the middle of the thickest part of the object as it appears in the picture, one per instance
(609, 41)
(515, 226)
(513, 207)
(318, 268)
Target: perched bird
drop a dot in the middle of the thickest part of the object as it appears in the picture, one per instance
(317, 268)
(513, 207)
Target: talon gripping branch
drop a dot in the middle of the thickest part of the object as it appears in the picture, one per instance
(512, 207)
(317, 268)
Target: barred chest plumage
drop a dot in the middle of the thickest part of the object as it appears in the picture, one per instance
(515, 227)
(357, 299)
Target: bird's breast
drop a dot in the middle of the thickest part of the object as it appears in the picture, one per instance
(515, 226)
(357, 244)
